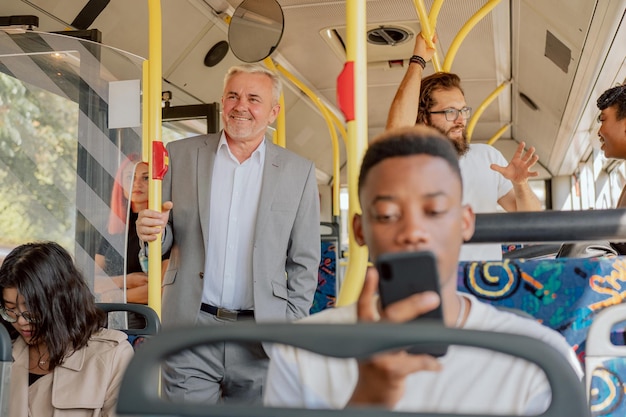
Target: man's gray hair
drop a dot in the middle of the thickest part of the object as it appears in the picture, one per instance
(277, 85)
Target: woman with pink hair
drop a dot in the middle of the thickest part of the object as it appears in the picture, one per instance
(128, 197)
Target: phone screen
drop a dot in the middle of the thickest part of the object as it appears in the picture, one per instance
(405, 273)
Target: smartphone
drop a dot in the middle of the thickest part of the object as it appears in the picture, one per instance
(405, 273)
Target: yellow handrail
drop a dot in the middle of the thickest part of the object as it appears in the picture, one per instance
(154, 135)
(339, 126)
(428, 31)
(479, 111)
(357, 143)
(462, 34)
(333, 134)
(434, 13)
(499, 133)
(279, 135)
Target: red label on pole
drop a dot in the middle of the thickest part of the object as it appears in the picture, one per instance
(345, 91)
(160, 160)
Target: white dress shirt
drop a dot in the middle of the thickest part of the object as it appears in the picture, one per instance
(235, 193)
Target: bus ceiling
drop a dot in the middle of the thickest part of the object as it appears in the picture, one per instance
(558, 56)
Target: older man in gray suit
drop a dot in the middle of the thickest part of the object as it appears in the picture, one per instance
(241, 216)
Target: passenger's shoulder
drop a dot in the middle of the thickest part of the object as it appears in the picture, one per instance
(289, 156)
(105, 346)
(335, 315)
(483, 149)
(110, 336)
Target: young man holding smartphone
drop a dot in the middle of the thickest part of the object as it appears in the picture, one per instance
(410, 191)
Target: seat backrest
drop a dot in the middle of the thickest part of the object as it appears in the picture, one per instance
(326, 291)
(328, 277)
(564, 294)
(605, 365)
(6, 361)
(342, 341)
(135, 336)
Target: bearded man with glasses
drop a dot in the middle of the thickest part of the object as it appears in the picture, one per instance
(488, 179)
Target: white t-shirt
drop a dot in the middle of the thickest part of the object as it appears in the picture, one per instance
(471, 380)
(482, 188)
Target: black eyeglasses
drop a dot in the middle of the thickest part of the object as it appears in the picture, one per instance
(452, 114)
(12, 316)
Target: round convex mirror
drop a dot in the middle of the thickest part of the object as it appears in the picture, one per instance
(255, 29)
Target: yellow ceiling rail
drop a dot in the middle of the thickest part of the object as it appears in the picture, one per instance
(499, 133)
(434, 13)
(279, 135)
(333, 134)
(357, 143)
(154, 88)
(428, 31)
(339, 126)
(479, 111)
(462, 34)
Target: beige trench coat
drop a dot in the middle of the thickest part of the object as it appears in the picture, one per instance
(85, 385)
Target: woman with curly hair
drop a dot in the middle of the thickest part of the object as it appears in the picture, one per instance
(65, 362)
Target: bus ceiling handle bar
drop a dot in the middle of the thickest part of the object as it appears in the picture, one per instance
(344, 341)
(550, 226)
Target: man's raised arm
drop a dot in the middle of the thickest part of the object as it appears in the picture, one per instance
(405, 105)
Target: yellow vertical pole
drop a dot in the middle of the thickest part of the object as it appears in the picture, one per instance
(279, 137)
(433, 15)
(145, 117)
(154, 128)
(357, 143)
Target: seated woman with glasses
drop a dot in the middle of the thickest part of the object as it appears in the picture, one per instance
(65, 362)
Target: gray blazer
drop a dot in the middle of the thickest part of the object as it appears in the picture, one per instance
(286, 250)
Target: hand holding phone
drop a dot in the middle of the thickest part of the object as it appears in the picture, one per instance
(403, 274)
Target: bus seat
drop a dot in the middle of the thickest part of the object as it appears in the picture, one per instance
(537, 251)
(605, 367)
(586, 250)
(135, 336)
(6, 361)
(328, 272)
(564, 294)
(343, 341)
(326, 291)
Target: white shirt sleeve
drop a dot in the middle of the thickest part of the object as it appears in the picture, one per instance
(283, 387)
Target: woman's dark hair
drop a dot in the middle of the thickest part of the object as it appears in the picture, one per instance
(409, 141)
(56, 294)
(615, 96)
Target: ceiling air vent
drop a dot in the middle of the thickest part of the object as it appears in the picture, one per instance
(527, 100)
(387, 36)
(557, 52)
